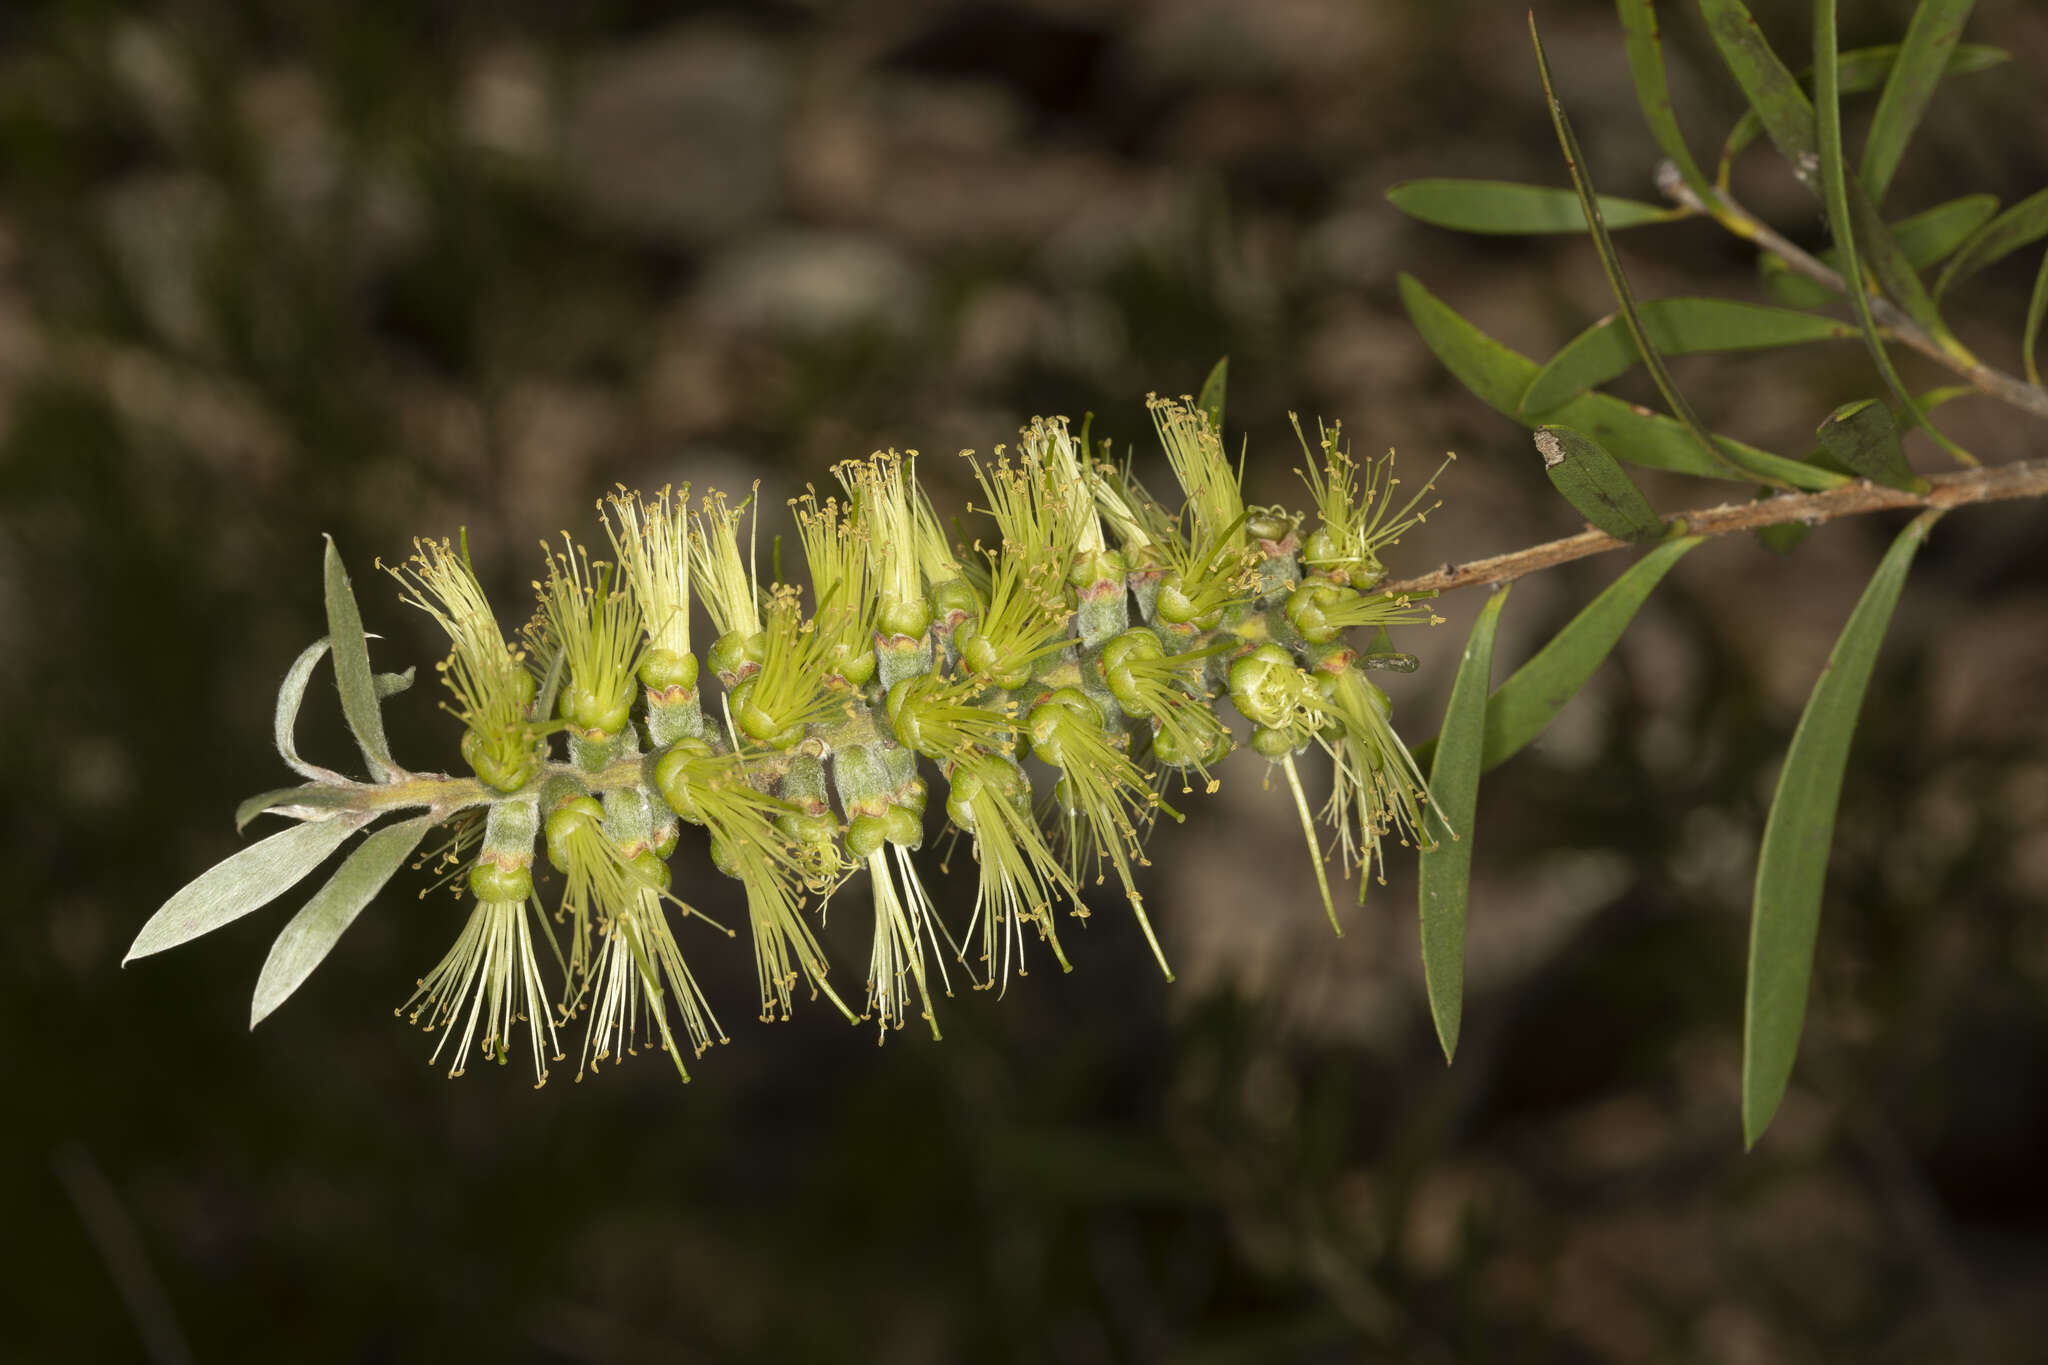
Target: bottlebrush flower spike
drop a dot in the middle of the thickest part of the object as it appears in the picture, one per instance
(1092, 628)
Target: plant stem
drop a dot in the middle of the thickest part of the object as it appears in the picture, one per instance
(1999, 483)
(1740, 221)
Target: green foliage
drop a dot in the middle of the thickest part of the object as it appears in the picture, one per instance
(1445, 863)
(1792, 865)
(1591, 480)
(1873, 267)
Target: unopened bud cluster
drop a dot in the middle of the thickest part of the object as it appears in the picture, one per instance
(1043, 691)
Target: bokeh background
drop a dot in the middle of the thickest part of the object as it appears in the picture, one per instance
(273, 268)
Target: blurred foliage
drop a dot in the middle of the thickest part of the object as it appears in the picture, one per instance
(273, 269)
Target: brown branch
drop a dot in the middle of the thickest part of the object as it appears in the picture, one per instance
(2026, 479)
(1740, 221)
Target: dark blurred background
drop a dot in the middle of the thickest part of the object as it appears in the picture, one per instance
(281, 267)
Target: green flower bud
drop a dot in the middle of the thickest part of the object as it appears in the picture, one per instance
(814, 838)
(504, 762)
(1272, 524)
(955, 597)
(1261, 685)
(498, 881)
(770, 729)
(665, 839)
(1103, 566)
(671, 777)
(857, 666)
(1274, 744)
(664, 669)
(734, 652)
(1117, 656)
(565, 822)
(651, 868)
(1307, 606)
(1049, 718)
(594, 711)
(865, 834)
(902, 825)
(1322, 550)
(909, 617)
(1169, 749)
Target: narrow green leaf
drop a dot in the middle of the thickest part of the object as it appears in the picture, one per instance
(391, 684)
(1499, 376)
(290, 696)
(1788, 116)
(1793, 863)
(352, 669)
(1683, 326)
(249, 880)
(313, 932)
(1610, 261)
(1838, 189)
(1931, 38)
(1865, 439)
(1591, 481)
(1653, 91)
(1863, 69)
(2037, 308)
(1445, 867)
(314, 796)
(1523, 707)
(1774, 95)
(2021, 225)
(1211, 401)
(1925, 239)
(1930, 235)
(1499, 206)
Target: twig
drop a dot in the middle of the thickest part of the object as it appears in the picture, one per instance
(2026, 479)
(1740, 221)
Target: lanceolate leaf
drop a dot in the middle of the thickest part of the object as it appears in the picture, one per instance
(1865, 439)
(1653, 91)
(1936, 28)
(1926, 239)
(1592, 482)
(2021, 225)
(1445, 868)
(247, 881)
(1523, 706)
(1792, 866)
(1774, 96)
(1501, 207)
(352, 669)
(1617, 279)
(1500, 376)
(289, 698)
(1687, 326)
(1211, 401)
(314, 796)
(1788, 116)
(1863, 69)
(1838, 189)
(312, 932)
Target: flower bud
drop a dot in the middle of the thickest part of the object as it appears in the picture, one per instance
(502, 882)
(1260, 685)
(565, 822)
(663, 669)
(770, 729)
(1307, 608)
(736, 653)
(672, 777)
(910, 617)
